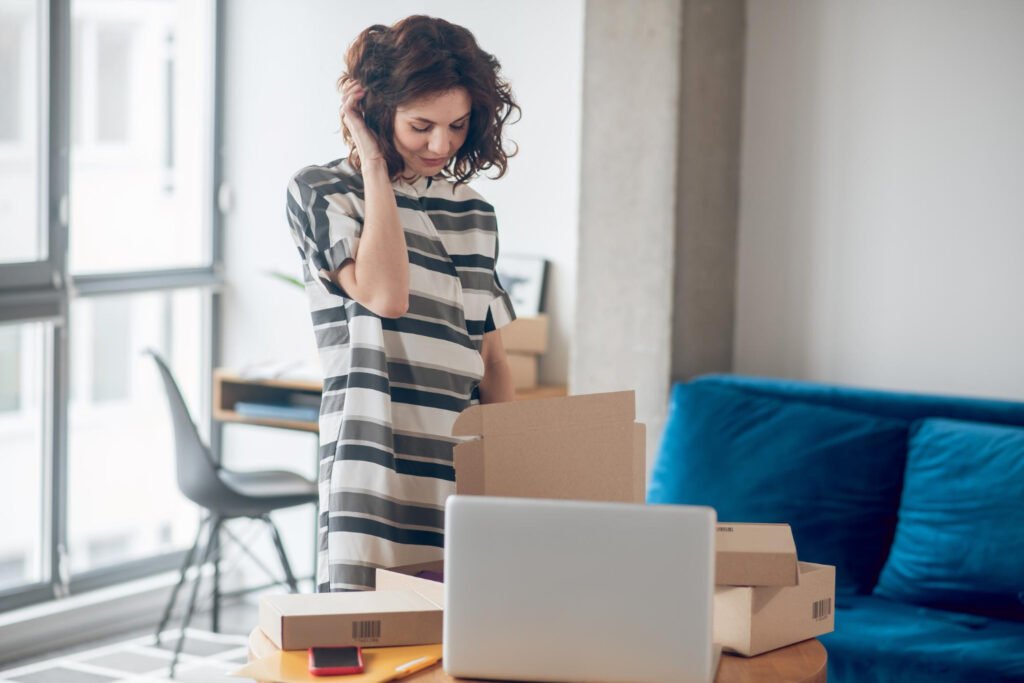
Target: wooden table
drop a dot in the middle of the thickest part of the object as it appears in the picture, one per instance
(800, 663)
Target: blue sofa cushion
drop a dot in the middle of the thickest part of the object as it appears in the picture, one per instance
(834, 475)
(960, 535)
(877, 640)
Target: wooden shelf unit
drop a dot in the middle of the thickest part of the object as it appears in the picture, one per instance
(230, 388)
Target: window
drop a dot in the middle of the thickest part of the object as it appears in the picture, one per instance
(11, 397)
(11, 67)
(120, 437)
(19, 132)
(140, 102)
(23, 350)
(106, 149)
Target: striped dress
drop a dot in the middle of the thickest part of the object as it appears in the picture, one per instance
(393, 387)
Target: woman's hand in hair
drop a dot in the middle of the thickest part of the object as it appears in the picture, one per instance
(352, 119)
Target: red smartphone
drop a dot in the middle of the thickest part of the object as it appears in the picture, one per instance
(335, 661)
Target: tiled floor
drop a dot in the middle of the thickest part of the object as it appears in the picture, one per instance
(134, 658)
(206, 657)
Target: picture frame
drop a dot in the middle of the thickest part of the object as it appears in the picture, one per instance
(524, 278)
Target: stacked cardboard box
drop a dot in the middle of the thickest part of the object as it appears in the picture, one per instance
(587, 447)
(525, 341)
(764, 598)
(584, 448)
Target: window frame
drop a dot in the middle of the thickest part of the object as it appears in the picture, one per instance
(43, 291)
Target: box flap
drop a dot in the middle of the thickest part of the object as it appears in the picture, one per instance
(405, 578)
(545, 414)
(754, 538)
(639, 462)
(755, 555)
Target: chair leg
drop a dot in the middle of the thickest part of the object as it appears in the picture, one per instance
(289, 577)
(181, 580)
(215, 611)
(215, 523)
(252, 556)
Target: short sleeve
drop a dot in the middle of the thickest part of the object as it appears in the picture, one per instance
(325, 229)
(500, 311)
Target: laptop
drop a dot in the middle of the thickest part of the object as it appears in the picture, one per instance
(551, 590)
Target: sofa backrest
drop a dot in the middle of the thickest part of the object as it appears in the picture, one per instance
(828, 460)
(900, 405)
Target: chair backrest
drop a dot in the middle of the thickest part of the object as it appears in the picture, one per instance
(196, 469)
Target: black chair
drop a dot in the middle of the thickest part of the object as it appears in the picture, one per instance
(224, 495)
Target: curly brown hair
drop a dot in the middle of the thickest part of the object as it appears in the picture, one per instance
(423, 56)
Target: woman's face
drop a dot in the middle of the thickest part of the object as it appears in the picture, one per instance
(429, 131)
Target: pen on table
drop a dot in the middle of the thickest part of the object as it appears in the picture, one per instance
(415, 665)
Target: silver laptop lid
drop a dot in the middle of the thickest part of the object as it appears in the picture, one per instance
(545, 590)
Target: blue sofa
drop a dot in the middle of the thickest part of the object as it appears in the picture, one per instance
(917, 500)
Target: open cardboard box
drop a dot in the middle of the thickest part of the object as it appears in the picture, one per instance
(586, 447)
(750, 620)
(755, 555)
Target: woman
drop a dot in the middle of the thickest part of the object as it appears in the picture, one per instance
(399, 256)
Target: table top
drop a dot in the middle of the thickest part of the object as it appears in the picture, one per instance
(800, 663)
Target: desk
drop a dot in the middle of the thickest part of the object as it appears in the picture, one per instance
(229, 388)
(800, 663)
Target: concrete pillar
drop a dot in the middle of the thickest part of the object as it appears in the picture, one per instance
(628, 183)
(709, 167)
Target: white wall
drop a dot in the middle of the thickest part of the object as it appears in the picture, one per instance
(281, 114)
(882, 200)
(282, 59)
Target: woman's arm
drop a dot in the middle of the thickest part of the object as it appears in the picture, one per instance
(496, 386)
(378, 277)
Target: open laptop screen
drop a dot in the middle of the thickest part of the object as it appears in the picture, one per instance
(578, 591)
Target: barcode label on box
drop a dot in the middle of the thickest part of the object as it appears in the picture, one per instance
(822, 609)
(365, 630)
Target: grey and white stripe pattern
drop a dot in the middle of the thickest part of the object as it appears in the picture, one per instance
(393, 387)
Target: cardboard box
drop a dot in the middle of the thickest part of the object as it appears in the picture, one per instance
(404, 579)
(296, 621)
(750, 620)
(755, 555)
(524, 370)
(542, 391)
(587, 447)
(527, 335)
